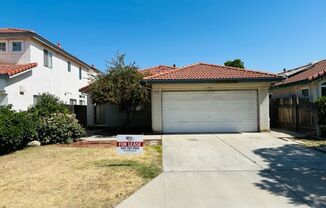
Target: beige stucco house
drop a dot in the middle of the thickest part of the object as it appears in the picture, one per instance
(206, 98)
(308, 81)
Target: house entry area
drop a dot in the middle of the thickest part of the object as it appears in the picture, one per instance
(210, 111)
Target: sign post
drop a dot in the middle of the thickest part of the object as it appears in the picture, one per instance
(130, 144)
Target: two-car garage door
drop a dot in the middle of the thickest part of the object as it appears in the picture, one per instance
(210, 111)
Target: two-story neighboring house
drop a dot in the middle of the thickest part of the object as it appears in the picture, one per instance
(308, 81)
(30, 65)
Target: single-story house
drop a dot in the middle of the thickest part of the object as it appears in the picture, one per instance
(205, 98)
(308, 81)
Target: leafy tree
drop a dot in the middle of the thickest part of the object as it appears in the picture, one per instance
(122, 85)
(321, 104)
(235, 63)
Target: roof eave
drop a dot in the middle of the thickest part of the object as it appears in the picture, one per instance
(55, 47)
(172, 81)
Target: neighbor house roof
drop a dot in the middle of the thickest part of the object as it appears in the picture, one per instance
(156, 70)
(308, 73)
(8, 32)
(146, 72)
(13, 69)
(14, 30)
(210, 72)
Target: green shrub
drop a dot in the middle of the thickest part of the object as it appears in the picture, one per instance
(16, 129)
(48, 104)
(321, 104)
(59, 128)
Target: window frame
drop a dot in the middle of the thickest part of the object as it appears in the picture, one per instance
(47, 58)
(36, 99)
(12, 46)
(305, 97)
(6, 47)
(322, 86)
(80, 73)
(69, 66)
(82, 102)
(72, 101)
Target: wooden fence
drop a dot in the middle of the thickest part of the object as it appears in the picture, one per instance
(294, 114)
(81, 113)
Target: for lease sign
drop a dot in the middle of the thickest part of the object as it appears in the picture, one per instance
(130, 144)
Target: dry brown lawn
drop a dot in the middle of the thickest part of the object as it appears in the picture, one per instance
(313, 142)
(56, 176)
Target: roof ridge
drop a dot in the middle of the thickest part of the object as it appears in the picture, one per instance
(157, 66)
(305, 66)
(17, 29)
(164, 73)
(237, 68)
(216, 65)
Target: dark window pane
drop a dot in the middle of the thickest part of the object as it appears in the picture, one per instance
(323, 91)
(16, 46)
(305, 93)
(3, 47)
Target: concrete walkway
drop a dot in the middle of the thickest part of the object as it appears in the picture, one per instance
(234, 170)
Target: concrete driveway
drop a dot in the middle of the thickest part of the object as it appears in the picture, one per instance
(235, 170)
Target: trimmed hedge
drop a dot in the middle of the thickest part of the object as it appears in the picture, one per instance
(49, 122)
(16, 129)
(59, 128)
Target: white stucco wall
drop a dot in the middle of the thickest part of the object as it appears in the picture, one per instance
(261, 87)
(56, 80)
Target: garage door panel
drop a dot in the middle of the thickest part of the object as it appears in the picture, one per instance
(213, 111)
(212, 106)
(209, 127)
(214, 117)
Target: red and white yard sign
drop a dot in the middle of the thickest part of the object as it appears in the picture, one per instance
(130, 144)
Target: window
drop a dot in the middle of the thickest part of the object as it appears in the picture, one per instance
(47, 58)
(69, 66)
(305, 93)
(81, 102)
(3, 47)
(80, 73)
(73, 102)
(323, 89)
(17, 46)
(35, 99)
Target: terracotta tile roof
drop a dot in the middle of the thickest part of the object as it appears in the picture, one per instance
(203, 71)
(313, 72)
(13, 30)
(12, 69)
(156, 70)
(146, 72)
(85, 88)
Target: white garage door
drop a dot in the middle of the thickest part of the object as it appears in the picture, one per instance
(210, 111)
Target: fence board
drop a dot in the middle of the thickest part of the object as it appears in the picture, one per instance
(294, 114)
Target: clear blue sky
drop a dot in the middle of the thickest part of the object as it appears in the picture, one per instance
(266, 35)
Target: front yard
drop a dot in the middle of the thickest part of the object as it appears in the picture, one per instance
(57, 176)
